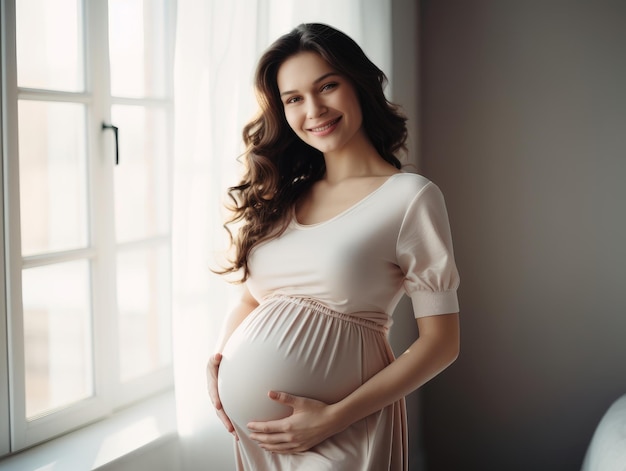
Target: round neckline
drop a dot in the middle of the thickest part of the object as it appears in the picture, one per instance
(349, 209)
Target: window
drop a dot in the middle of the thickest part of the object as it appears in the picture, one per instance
(86, 267)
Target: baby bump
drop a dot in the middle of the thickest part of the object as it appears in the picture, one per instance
(294, 346)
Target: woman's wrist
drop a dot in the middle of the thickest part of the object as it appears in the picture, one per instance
(342, 416)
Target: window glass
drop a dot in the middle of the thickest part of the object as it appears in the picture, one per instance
(53, 176)
(141, 178)
(144, 311)
(49, 44)
(137, 48)
(57, 336)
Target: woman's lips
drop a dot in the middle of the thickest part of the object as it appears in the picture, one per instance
(325, 128)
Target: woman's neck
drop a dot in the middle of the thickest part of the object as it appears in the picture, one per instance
(359, 160)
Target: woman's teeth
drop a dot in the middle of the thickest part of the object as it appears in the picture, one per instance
(325, 127)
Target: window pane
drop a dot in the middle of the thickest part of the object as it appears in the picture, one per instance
(144, 311)
(53, 176)
(49, 44)
(57, 336)
(141, 178)
(137, 48)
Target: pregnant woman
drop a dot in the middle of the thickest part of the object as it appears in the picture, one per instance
(330, 234)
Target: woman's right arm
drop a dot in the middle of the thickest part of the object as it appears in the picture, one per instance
(236, 317)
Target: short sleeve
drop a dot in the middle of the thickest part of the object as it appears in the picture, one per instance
(425, 255)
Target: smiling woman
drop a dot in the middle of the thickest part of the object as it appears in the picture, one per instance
(332, 235)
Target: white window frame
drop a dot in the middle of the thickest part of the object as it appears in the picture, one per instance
(5, 441)
(17, 433)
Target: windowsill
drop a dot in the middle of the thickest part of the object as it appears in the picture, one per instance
(132, 430)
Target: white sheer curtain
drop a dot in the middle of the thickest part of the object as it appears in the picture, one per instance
(217, 45)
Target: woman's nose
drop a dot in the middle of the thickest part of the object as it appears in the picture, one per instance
(315, 109)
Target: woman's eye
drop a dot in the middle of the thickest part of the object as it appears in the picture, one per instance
(293, 99)
(328, 86)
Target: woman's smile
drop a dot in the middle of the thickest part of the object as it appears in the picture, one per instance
(325, 128)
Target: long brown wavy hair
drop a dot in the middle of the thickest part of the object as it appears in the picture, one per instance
(279, 167)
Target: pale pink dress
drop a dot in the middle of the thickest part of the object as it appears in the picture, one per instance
(326, 294)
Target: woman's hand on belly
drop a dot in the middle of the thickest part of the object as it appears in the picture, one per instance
(311, 423)
(212, 370)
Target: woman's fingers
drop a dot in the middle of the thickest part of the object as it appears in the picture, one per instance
(212, 370)
(226, 421)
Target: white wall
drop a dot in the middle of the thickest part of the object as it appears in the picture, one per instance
(524, 129)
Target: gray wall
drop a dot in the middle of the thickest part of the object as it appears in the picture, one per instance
(524, 128)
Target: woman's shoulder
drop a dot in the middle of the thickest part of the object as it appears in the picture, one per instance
(411, 191)
(409, 183)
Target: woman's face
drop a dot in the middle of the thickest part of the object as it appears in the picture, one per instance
(321, 105)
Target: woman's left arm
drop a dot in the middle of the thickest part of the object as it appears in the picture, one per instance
(313, 421)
